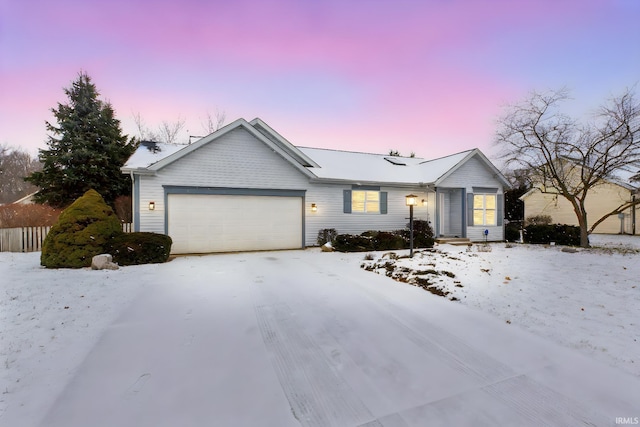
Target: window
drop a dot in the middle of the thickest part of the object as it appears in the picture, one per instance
(484, 209)
(365, 201)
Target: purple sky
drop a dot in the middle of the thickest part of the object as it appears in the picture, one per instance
(428, 76)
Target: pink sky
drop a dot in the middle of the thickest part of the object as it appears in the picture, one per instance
(423, 76)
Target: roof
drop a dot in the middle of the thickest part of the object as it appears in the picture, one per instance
(368, 167)
(318, 163)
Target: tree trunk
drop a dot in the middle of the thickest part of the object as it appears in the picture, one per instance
(584, 229)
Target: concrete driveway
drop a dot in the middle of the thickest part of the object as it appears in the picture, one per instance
(306, 338)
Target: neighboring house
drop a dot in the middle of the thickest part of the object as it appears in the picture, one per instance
(601, 199)
(245, 187)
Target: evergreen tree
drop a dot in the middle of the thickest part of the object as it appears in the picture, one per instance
(85, 150)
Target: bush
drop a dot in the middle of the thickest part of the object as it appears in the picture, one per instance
(386, 240)
(327, 235)
(353, 243)
(140, 248)
(422, 234)
(84, 229)
(512, 232)
(539, 220)
(559, 233)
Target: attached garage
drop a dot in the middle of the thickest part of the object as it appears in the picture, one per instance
(205, 223)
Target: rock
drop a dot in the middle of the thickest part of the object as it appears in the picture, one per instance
(103, 262)
(569, 250)
(327, 247)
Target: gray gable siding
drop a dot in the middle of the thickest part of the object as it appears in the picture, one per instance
(236, 160)
(473, 173)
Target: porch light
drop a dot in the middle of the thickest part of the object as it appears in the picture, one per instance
(411, 200)
(314, 208)
(152, 206)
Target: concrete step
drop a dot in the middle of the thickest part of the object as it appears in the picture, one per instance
(457, 241)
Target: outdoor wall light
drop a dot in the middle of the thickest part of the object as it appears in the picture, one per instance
(152, 206)
(314, 208)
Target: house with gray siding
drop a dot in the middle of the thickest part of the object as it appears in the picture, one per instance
(245, 187)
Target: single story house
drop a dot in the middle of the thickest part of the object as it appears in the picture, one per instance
(245, 187)
(601, 199)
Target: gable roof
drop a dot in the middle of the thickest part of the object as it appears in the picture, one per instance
(147, 163)
(319, 164)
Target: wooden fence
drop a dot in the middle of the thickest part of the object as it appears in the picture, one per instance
(29, 239)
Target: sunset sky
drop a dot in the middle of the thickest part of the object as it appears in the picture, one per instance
(428, 76)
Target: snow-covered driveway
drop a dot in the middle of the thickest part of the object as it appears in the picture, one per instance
(307, 338)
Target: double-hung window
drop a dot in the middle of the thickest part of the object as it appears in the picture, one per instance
(365, 201)
(484, 209)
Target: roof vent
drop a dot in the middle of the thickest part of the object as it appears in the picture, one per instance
(395, 161)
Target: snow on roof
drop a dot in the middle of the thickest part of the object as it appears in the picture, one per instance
(149, 153)
(623, 176)
(325, 163)
(367, 167)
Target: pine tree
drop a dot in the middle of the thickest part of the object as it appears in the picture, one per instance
(85, 150)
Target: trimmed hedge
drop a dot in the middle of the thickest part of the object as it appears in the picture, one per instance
(140, 248)
(561, 234)
(386, 240)
(83, 230)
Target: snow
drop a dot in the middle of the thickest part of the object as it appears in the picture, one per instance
(309, 338)
(355, 166)
(143, 157)
(586, 300)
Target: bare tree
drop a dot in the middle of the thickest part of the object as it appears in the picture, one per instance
(213, 122)
(569, 158)
(15, 165)
(169, 130)
(144, 133)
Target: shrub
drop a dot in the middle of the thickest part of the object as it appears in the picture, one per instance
(558, 233)
(84, 229)
(327, 235)
(389, 240)
(140, 248)
(422, 234)
(512, 232)
(386, 240)
(353, 243)
(539, 220)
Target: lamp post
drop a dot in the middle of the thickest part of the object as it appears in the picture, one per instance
(411, 200)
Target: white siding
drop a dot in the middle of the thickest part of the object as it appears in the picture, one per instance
(329, 200)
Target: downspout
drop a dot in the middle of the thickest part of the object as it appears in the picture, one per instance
(633, 215)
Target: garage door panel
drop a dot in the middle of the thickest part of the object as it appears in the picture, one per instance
(226, 223)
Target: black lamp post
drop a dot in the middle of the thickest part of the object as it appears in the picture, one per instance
(411, 200)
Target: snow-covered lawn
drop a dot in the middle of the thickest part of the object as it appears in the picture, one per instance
(360, 346)
(588, 300)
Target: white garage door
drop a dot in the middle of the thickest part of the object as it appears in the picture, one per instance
(226, 223)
